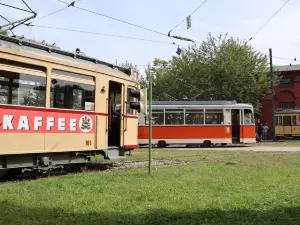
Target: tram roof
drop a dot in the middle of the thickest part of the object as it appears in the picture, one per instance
(204, 104)
(31, 46)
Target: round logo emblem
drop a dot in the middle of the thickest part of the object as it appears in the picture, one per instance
(85, 124)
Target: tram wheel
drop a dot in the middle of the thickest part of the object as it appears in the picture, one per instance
(206, 143)
(161, 144)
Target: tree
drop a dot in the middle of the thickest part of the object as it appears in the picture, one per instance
(220, 68)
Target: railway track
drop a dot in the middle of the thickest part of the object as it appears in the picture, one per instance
(12, 176)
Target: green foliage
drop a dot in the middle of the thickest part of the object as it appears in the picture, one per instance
(220, 68)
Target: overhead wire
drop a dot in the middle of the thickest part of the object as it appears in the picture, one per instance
(38, 19)
(116, 19)
(31, 32)
(27, 6)
(15, 7)
(188, 15)
(7, 21)
(294, 60)
(251, 38)
(277, 57)
(97, 33)
(71, 4)
(4, 18)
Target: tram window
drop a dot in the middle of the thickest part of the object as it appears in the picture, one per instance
(214, 116)
(4, 92)
(294, 122)
(174, 116)
(248, 117)
(280, 120)
(72, 74)
(22, 89)
(72, 95)
(286, 121)
(157, 117)
(194, 116)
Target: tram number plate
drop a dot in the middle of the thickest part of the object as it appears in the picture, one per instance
(88, 142)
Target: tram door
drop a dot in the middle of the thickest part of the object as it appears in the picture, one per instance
(235, 123)
(114, 113)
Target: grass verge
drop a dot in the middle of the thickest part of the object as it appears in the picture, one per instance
(216, 187)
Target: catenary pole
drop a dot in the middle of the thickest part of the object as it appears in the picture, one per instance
(150, 121)
(273, 95)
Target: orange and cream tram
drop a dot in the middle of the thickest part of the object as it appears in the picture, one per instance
(198, 123)
(60, 108)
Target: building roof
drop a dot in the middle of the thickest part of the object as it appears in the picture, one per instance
(286, 68)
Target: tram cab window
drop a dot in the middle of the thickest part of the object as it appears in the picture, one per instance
(72, 95)
(22, 89)
(174, 116)
(194, 116)
(214, 116)
(248, 117)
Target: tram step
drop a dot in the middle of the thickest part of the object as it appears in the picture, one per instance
(117, 157)
(115, 153)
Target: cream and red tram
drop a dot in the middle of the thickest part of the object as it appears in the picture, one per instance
(198, 122)
(58, 108)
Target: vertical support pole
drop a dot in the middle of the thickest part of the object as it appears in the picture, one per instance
(150, 121)
(273, 94)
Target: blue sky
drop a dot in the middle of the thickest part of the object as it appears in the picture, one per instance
(240, 18)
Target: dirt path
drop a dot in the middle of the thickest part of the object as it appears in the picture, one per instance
(251, 148)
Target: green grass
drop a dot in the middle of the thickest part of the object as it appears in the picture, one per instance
(216, 187)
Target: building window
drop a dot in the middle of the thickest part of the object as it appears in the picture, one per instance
(22, 89)
(287, 105)
(286, 83)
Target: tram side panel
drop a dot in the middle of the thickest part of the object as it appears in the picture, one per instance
(248, 134)
(69, 131)
(185, 134)
(22, 90)
(19, 133)
(70, 121)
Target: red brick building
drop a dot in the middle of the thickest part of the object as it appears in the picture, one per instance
(287, 93)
